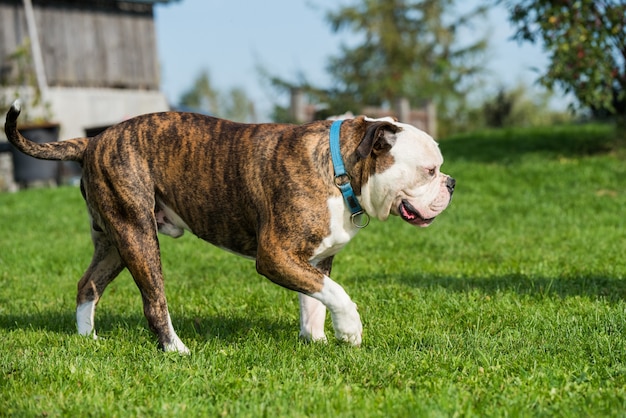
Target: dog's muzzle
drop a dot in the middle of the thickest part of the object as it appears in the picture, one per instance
(426, 215)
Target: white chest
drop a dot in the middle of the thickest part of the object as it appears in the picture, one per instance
(341, 231)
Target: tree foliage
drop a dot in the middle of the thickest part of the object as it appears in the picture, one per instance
(233, 104)
(397, 48)
(586, 40)
(201, 95)
(404, 48)
(518, 106)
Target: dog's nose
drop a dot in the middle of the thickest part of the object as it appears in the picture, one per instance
(450, 183)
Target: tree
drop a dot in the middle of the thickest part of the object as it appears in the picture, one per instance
(234, 104)
(237, 106)
(586, 40)
(406, 48)
(201, 95)
(519, 106)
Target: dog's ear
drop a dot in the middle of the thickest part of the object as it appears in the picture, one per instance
(379, 138)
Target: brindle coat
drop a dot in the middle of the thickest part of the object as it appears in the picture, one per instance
(254, 189)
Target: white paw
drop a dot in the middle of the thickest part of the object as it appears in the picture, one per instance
(85, 319)
(312, 319)
(347, 325)
(310, 337)
(176, 346)
(346, 319)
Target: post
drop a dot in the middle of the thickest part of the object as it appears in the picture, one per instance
(297, 105)
(403, 109)
(40, 71)
(431, 117)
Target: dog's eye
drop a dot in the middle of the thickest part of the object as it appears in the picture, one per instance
(432, 171)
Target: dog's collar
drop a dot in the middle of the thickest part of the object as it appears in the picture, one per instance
(342, 179)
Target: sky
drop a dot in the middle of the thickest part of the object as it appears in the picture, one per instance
(231, 39)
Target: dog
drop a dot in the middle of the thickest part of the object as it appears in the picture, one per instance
(269, 192)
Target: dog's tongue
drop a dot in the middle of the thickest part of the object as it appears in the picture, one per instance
(407, 214)
(410, 215)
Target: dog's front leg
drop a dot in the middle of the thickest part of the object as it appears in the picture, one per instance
(343, 312)
(294, 273)
(312, 311)
(312, 318)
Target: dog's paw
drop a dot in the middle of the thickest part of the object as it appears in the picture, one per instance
(176, 346)
(85, 319)
(310, 337)
(348, 327)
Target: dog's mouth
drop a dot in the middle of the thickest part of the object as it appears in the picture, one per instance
(412, 216)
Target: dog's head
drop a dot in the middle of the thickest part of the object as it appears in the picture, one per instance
(402, 173)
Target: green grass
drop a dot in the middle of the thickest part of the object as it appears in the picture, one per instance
(511, 304)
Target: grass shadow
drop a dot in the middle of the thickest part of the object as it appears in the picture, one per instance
(508, 145)
(600, 287)
(230, 329)
(54, 320)
(227, 328)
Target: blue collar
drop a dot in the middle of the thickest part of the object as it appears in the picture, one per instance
(342, 179)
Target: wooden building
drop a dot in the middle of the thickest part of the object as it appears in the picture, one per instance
(93, 63)
(87, 43)
(84, 49)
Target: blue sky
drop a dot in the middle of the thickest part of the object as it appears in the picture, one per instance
(231, 38)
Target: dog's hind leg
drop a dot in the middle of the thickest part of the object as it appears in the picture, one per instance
(135, 235)
(123, 201)
(105, 265)
(140, 249)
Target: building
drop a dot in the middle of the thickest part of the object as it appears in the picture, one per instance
(89, 63)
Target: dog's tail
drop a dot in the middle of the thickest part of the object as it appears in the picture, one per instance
(71, 150)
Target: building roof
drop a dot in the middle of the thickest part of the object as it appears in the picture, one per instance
(151, 1)
(99, 1)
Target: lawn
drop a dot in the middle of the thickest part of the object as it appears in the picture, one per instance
(513, 303)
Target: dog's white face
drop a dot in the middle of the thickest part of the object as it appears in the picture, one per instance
(412, 186)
